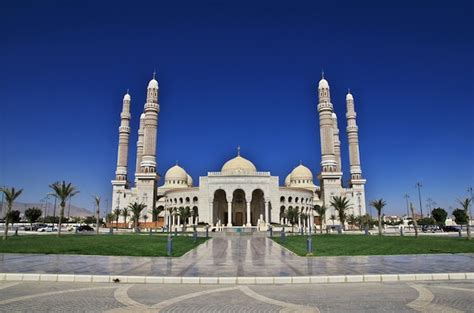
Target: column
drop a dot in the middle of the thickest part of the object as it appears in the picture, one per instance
(229, 213)
(211, 216)
(249, 223)
(267, 215)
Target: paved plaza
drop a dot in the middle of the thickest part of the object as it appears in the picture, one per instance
(440, 296)
(236, 256)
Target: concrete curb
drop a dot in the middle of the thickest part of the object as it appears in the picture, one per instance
(270, 280)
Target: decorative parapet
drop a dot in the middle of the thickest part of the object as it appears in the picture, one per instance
(239, 173)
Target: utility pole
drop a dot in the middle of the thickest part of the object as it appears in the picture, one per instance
(430, 205)
(54, 210)
(1, 207)
(408, 206)
(472, 199)
(68, 211)
(419, 185)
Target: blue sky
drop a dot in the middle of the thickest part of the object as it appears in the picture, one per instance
(238, 73)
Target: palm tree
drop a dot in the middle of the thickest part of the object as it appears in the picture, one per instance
(332, 218)
(155, 212)
(415, 223)
(117, 213)
(97, 212)
(465, 205)
(125, 215)
(194, 214)
(378, 205)
(341, 205)
(352, 220)
(110, 217)
(292, 215)
(145, 217)
(10, 196)
(136, 208)
(321, 210)
(63, 192)
(184, 213)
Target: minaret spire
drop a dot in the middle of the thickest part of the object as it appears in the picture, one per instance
(325, 109)
(141, 132)
(337, 143)
(124, 135)
(353, 139)
(238, 150)
(148, 163)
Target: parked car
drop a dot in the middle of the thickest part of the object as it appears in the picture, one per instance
(451, 228)
(48, 229)
(35, 227)
(84, 228)
(431, 228)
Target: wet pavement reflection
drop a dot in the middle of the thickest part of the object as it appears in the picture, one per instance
(236, 256)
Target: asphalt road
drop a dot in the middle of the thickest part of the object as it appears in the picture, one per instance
(439, 296)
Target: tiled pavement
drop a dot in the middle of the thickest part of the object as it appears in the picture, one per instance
(440, 296)
(236, 256)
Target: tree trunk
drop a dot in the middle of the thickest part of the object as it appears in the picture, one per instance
(98, 216)
(468, 226)
(380, 224)
(116, 223)
(321, 226)
(415, 224)
(7, 221)
(61, 215)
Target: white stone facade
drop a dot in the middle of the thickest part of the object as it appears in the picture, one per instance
(239, 194)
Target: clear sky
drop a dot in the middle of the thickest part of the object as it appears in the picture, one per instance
(238, 73)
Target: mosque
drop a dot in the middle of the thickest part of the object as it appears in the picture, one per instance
(238, 195)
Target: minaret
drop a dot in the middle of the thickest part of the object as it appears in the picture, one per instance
(325, 109)
(124, 135)
(337, 143)
(140, 144)
(330, 176)
(146, 179)
(148, 163)
(357, 183)
(353, 138)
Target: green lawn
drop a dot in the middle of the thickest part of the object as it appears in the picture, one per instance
(131, 245)
(333, 245)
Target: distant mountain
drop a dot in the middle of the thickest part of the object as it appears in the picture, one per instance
(75, 211)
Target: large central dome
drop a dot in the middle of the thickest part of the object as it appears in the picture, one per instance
(238, 165)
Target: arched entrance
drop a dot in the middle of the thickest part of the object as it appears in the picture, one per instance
(219, 209)
(239, 206)
(257, 207)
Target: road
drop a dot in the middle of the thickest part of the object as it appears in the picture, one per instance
(439, 296)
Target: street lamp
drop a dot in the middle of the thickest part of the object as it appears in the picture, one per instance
(408, 207)
(419, 185)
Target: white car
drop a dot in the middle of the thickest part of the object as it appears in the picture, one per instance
(48, 229)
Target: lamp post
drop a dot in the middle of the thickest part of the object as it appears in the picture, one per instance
(419, 185)
(470, 190)
(408, 207)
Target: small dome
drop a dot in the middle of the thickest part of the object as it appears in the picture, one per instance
(323, 84)
(238, 165)
(301, 172)
(153, 84)
(190, 181)
(287, 180)
(142, 116)
(176, 173)
(126, 97)
(349, 96)
(334, 116)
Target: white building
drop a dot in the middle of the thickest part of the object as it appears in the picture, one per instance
(251, 198)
